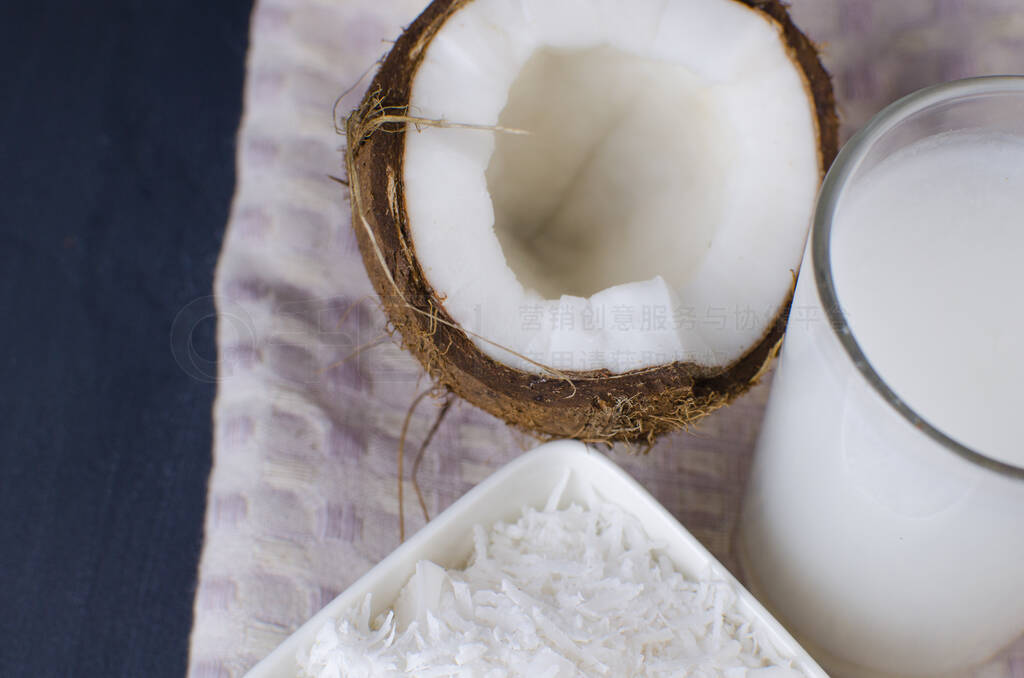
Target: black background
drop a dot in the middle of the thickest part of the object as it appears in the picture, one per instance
(117, 134)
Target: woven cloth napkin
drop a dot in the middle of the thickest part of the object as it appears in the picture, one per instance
(313, 393)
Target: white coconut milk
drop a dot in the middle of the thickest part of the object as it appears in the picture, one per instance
(872, 541)
(928, 259)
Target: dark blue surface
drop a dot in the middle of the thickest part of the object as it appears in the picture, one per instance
(117, 126)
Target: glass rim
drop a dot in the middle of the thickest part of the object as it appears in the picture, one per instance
(846, 163)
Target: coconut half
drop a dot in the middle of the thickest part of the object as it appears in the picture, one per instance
(585, 216)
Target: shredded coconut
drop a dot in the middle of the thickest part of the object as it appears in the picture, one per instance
(558, 594)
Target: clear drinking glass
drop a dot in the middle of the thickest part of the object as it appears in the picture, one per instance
(886, 546)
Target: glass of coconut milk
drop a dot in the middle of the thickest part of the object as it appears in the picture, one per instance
(884, 520)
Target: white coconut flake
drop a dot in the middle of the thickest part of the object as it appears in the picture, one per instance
(559, 593)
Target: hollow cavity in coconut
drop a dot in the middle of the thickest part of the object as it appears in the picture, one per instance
(585, 216)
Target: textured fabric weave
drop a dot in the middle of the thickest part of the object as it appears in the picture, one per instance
(312, 393)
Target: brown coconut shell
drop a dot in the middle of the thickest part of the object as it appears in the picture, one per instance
(589, 406)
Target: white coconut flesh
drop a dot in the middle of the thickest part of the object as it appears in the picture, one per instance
(658, 207)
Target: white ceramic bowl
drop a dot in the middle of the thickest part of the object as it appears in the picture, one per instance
(528, 481)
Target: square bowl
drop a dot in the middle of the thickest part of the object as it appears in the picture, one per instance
(528, 481)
